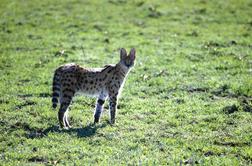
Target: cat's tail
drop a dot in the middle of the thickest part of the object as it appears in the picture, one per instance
(56, 88)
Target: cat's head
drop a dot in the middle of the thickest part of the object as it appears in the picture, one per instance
(127, 60)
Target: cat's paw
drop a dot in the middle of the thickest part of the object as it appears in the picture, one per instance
(96, 120)
(112, 122)
(66, 128)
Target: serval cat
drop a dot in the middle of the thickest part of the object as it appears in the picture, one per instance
(101, 83)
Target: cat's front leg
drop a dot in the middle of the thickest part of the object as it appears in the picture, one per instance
(99, 107)
(113, 108)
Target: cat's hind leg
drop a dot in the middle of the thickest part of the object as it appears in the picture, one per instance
(66, 119)
(65, 101)
(62, 115)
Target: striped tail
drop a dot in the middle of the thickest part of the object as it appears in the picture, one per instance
(56, 88)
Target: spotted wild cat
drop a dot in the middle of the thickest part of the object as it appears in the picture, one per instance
(101, 83)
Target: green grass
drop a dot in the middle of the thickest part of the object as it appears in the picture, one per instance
(187, 101)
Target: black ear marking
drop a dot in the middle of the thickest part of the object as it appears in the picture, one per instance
(123, 53)
(132, 54)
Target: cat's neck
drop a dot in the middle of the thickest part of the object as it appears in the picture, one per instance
(122, 68)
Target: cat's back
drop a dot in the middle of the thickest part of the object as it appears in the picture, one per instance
(70, 68)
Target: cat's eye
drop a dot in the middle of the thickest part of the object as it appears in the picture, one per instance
(128, 62)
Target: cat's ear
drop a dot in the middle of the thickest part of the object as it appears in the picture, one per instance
(123, 53)
(132, 54)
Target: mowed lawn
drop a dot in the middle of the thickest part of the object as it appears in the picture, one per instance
(188, 99)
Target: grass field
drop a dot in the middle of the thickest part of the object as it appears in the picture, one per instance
(187, 101)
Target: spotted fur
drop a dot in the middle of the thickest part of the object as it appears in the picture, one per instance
(102, 83)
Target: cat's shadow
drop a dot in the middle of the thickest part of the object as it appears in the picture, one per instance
(86, 131)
